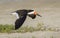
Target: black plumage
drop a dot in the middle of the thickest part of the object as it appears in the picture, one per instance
(19, 22)
(22, 17)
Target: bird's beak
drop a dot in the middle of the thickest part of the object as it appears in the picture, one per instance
(38, 15)
(35, 13)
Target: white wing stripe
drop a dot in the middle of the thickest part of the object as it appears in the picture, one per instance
(31, 12)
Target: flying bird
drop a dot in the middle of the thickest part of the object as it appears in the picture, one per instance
(21, 16)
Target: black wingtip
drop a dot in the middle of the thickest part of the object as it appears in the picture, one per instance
(16, 28)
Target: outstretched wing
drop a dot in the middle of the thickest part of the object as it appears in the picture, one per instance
(20, 21)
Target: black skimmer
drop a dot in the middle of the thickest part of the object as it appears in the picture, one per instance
(21, 16)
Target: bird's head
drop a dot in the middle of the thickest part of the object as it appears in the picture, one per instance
(33, 14)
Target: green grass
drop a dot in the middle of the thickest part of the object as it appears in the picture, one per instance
(10, 28)
(6, 28)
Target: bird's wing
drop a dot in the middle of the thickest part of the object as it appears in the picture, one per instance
(20, 21)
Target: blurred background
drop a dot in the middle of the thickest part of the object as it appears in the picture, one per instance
(48, 9)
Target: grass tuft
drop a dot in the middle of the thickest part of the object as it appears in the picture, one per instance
(10, 28)
(6, 28)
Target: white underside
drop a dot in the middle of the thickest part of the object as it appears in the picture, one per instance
(15, 14)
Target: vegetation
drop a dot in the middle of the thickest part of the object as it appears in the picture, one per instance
(10, 28)
(6, 28)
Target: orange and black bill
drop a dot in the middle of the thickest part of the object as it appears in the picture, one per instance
(38, 15)
(35, 13)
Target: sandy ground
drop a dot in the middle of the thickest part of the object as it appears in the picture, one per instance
(38, 34)
(49, 9)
